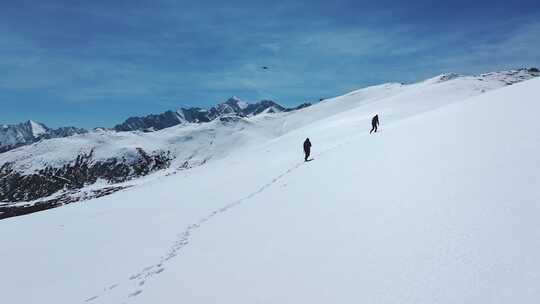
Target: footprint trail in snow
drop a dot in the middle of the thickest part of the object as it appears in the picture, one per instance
(138, 280)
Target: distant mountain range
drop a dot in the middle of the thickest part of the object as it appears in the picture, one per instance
(16, 135)
(233, 106)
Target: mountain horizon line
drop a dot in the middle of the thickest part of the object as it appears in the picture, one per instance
(183, 107)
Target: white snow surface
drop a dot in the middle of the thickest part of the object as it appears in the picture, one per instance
(440, 206)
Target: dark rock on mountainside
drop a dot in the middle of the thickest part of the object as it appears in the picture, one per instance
(301, 106)
(17, 186)
(164, 120)
(267, 106)
(69, 196)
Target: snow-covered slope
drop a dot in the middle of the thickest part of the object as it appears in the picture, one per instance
(440, 206)
(194, 144)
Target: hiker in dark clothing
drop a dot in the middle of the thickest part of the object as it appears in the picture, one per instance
(307, 149)
(374, 123)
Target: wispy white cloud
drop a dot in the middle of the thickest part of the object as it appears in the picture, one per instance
(363, 42)
(518, 47)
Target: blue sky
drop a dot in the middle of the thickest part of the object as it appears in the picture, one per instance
(94, 63)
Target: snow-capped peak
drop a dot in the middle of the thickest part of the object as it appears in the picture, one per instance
(12, 136)
(37, 128)
(235, 101)
(242, 104)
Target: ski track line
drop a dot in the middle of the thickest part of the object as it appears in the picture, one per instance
(139, 279)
